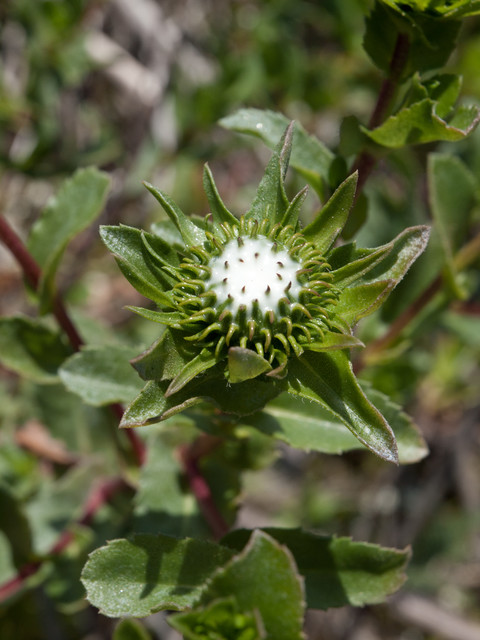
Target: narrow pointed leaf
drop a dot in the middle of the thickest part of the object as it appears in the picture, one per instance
(362, 300)
(218, 209)
(353, 271)
(150, 573)
(332, 340)
(77, 204)
(205, 360)
(337, 571)
(134, 261)
(263, 577)
(270, 200)
(328, 224)
(294, 208)
(327, 379)
(245, 364)
(191, 234)
(169, 319)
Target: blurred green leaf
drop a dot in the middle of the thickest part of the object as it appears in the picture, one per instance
(312, 159)
(14, 524)
(31, 349)
(130, 629)
(337, 571)
(327, 379)
(263, 577)
(79, 202)
(101, 375)
(150, 573)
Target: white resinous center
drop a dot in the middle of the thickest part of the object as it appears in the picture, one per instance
(253, 271)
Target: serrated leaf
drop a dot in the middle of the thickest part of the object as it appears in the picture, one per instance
(77, 204)
(31, 349)
(337, 571)
(245, 364)
(191, 234)
(130, 629)
(307, 426)
(101, 375)
(270, 200)
(134, 261)
(263, 577)
(312, 159)
(327, 226)
(15, 526)
(451, 188)
(420, 123)
(327, 379)
(221, 620)
(219, 211)
(150, 573)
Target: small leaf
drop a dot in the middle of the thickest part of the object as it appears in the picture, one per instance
(129, 629)
(150, 573)
(420, 123)
(357, 302)
(327, 378)
(328, 224)
(31, 349)
(355, 267)
(218, 209)
(312, 159)
(245, 364)
(294, 208)
(78, 203)
(101, 375)
(191, 234)
(203, 361)
(263, 577)
(169, 319)
(165, 358)
(135, 261)
(337, 571)
(332, 340)
(270, 200)
(220, 620)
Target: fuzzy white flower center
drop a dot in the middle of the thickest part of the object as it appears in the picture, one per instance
(254, 270)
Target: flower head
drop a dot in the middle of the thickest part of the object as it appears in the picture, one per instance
(257, 305)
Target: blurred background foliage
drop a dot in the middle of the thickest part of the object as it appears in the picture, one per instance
(137, 88)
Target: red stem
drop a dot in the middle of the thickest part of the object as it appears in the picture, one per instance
(98, 497)
(33, 274)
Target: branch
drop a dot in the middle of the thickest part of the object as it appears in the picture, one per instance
(33, 276)
(97, 498)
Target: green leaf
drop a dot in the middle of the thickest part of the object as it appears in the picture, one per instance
(135, 261)
(332, 340)
(152, 405)
(451, 189)
(294, 208)
(191, 234)
(130, 629)
(169, 319)
(307, 426)
(327, 379)
(444, 90)
(101, 375)
(161, 502)
(165, 358)
(263, 577)
(420, 123)
(355, 263)
(219, 211)
(14, 524)
(203, 361)
(328, 224)
(270, 200)
(360, 301)
(150, 573)
(78, 203)
(31, 349)
(245, 364)
(221, 620)
(337, 571)
(312, 159)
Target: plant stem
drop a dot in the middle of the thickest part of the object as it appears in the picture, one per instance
(33, 276)
(99, 496)
(366, 162)
(199, 486)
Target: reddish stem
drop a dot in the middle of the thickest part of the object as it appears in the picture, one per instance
(33, 274)
(99, 496)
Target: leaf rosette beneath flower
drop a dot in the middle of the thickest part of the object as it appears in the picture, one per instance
(256, 306)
